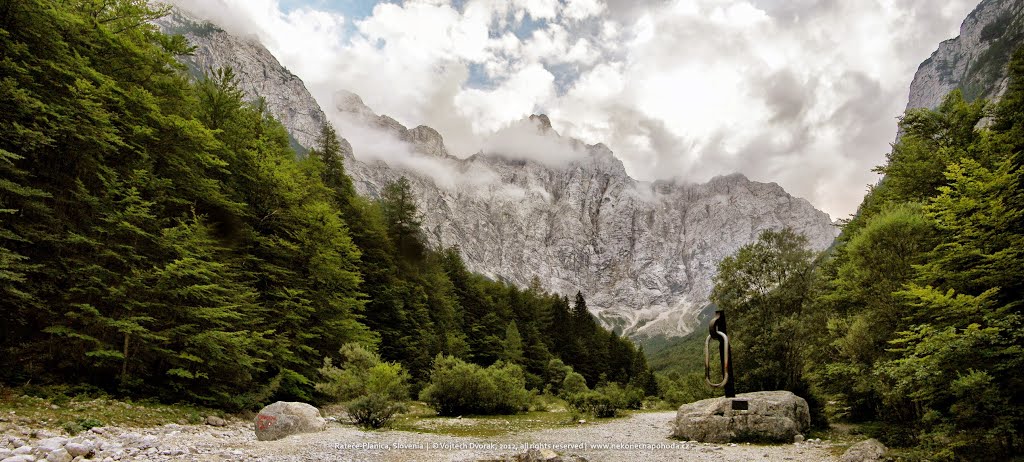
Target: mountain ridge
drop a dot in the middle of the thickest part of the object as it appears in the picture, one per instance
(643, 253)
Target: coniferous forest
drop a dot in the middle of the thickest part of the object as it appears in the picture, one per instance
(159, 237)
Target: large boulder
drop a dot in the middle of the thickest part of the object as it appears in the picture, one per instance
(284, 418)
(764, 416)
(870, 450)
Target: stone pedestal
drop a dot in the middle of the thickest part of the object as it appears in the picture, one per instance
(764, 416)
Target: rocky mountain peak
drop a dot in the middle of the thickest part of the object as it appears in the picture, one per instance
(542, 121)
(603, 159)
(537, 204)
(427, 141)
(974, 61)
(348, 102)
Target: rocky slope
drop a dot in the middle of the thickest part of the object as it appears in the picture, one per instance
(259, 73)
(975, 61)
(643, 254)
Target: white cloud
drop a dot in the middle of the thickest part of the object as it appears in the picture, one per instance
(582, 9)
(538, 9)
(803, 93)
(528, 140)
(490, 110)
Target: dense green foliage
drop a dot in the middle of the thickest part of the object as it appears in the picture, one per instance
(457, 388)
(913, 320)
(160, 237)
(372, 391)
(605, 400)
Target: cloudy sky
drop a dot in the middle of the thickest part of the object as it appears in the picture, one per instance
(804, 93)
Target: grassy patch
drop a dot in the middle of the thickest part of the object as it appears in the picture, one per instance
(77, 413)
(422, 419)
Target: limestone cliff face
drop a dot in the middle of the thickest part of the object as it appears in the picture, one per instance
(975, 61)
(644, 254)
(259, 73)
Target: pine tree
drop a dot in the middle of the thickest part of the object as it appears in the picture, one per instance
(512, 345)
(399, 207)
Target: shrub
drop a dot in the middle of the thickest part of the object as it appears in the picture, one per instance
(457, 388)
(594, 403)
(373, 410)
(606, 400)
(554, 374)
(372, 390)
(361, 373)
(81, 425)
(629, 397)
(573, 384)
(677, 389)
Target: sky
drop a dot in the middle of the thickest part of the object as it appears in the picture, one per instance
(803, 93)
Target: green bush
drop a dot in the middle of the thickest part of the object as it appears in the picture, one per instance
(372, 390)
(573, 384)
(457, 388)
(594, 403)
(373, 410)
(81, 425)
(362, 372)
(607, 400)
(677, 389)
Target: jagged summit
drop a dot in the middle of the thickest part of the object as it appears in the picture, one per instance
(538, 204)
(428, 140)
(542, 120)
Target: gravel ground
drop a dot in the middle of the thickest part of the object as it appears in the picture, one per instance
(641, 437)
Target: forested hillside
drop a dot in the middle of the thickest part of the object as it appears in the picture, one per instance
(912, 323)
(159, 237)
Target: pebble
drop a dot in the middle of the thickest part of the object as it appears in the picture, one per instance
(59, 455)
(79, 449)
(20, 458)
(51, 444)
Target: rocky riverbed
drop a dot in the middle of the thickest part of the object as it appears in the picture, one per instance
(642, 436)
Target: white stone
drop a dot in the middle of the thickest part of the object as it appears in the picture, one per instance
(79, 449)
(19, 458)
(870, 450)
(771, 416)
(51, 444)
(284, 418)
(59, 455)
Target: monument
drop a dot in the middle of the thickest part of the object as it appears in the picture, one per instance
(763, 416)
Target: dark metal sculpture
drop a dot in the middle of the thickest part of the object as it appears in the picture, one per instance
(716, 330)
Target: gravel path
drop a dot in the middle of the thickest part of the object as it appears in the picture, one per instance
(641, 437)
